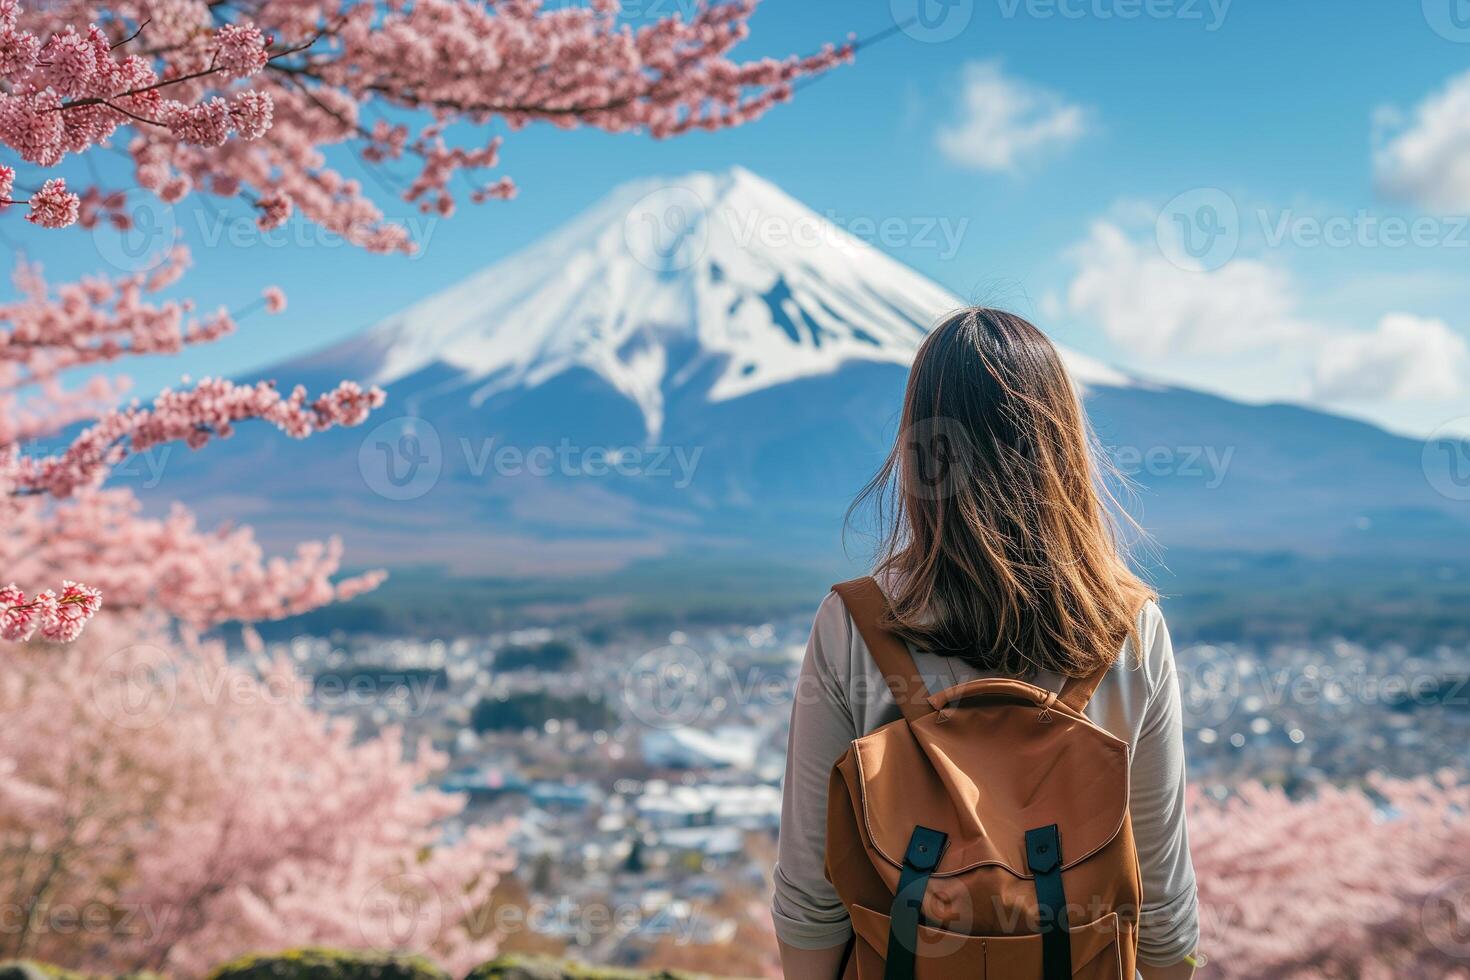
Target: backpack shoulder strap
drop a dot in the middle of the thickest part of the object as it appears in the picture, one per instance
(1079, 690)
(866, 604)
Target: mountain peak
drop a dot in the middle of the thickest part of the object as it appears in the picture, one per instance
(714, 187)
(716, 279)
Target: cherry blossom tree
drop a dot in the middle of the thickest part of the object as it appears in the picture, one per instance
(256, 102)
(163, 807)
(1370, 883)
(289, 78)
(56, 522)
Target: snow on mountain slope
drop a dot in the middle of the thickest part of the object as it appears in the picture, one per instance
(760, 288)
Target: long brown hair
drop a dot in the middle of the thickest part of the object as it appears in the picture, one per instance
(998, 530)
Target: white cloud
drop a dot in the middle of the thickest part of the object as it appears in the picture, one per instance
(1247, 312)
(1424, 158)
(1005, 121)
(1405, 358)
(1156, 308)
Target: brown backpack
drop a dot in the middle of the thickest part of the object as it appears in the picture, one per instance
(985, 834)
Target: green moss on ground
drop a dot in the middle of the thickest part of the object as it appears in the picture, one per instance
(34, 970)
(536, 968)
(319, 963)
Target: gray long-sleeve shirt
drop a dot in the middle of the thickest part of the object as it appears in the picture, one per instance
(842, 696)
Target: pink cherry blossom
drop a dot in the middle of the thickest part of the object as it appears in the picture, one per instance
(60, 618)
(31, 126)
(275, 299)
(18, 51)
(68, 62)
(17, 617)
(53, 206)
(250, 114)
(242, 50)
(274, 211)
(205, 124)
(70, 612)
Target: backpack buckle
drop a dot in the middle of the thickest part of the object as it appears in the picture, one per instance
(1044, 715)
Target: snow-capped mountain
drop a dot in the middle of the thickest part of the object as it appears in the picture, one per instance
(663, 279)
(703, 366)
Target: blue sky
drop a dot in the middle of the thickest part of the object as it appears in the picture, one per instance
(1072, 125)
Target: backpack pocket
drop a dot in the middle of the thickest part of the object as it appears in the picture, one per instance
(941, 954)
(1097, 952)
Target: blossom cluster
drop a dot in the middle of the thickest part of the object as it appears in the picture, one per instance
(199, 576)
(64, 90)
(193, 416)
(59, 618)
(52, 329)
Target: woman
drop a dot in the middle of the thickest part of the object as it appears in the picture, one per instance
(999, 559)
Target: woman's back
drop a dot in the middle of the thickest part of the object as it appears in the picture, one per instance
(842, 695)
(999, 556)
